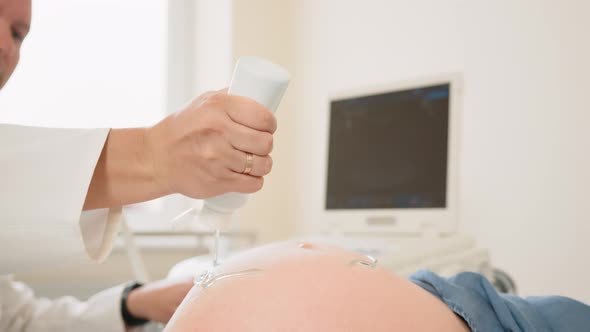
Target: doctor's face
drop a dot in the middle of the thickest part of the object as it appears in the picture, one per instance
(15, 19)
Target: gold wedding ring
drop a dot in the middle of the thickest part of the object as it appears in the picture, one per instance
(249, 163)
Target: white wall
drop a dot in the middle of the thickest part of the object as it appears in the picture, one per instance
(525, 168)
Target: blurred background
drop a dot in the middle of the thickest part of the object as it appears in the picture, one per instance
(524, 167)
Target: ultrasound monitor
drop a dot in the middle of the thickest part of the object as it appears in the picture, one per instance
(392, 157)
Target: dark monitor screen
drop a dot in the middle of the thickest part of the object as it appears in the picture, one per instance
(389, 150)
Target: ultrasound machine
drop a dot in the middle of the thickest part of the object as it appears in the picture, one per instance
(391, 188)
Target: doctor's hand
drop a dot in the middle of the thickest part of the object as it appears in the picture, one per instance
(158, 300)
(201, 151)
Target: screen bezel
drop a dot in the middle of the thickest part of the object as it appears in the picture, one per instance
(406, 220)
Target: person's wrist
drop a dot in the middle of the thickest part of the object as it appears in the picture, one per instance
(135, 303)
(152, 137)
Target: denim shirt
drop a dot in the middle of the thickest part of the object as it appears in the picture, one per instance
(472, 296)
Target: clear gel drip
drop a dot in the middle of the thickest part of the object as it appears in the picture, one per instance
(370, 261)
(208, 278)
(216, 248)
(305, 246)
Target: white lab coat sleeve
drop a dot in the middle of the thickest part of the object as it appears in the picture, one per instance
(20, 311)
(44, 177)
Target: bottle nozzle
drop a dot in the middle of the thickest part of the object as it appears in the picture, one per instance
(215, 219)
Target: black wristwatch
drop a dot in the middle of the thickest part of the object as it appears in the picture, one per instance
(128, 318)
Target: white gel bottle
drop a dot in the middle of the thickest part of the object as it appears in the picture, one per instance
(264, 82)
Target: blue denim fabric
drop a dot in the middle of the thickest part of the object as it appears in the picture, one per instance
(473, 297)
